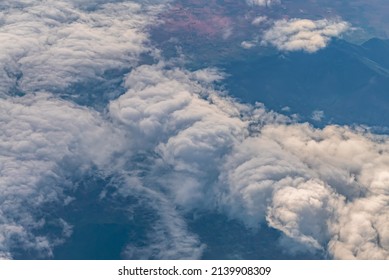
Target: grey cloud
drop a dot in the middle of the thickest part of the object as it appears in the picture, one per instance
(317, 115)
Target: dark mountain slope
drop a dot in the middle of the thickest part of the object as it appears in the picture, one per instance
(350, 83)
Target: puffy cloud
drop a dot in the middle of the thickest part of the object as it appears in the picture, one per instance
(257, 166)
(44, 137)
(319, 187)
(186, 122)
(362, 230)
(303, 34)
(40, 137)
(53, 44)
(43, 141)
(326, 189)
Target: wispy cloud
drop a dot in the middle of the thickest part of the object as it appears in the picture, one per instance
(317, 115)
(168, 237)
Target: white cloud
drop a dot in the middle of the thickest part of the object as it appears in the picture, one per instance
(53, 44)
(266, 3)
(169, 238)
(183, 120)
(319, 187)
(303, 34)
(247, 44)
(259, 20)
(325, 189)
(39, 133)
(298, 179)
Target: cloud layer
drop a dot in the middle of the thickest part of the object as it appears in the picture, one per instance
(325, 189)
(303, 34)
(41, 138)
(300, 180)
(54, 44)
(305, 182)
(172, 139)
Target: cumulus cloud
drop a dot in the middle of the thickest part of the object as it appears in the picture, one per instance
(326, 189)
(177, 114)
(309, 183)
(39, 134)
(53, 45)
(257, 166)
(45, 139)
(303, 34)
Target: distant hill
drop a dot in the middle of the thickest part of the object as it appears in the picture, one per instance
(350, 83)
